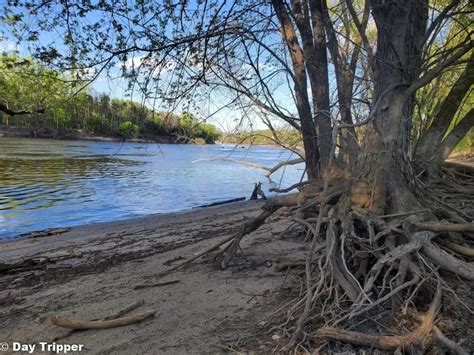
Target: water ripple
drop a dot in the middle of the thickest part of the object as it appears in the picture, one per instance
(50, 183)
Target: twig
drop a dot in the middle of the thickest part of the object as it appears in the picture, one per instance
(125, 310)
(159, 284)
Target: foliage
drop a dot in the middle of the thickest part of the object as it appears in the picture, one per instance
(265, 137)
(26, 83)
(128, 130)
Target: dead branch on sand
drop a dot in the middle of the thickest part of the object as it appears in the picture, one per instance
(100, 324)
(111, 321)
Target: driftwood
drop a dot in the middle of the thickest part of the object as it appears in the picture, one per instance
(223, 202)
(49, 233)
(257, 191)
(116, 315)
(101, 324)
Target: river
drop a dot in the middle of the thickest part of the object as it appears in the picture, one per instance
(53, 183)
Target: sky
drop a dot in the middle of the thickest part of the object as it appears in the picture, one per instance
(227, 119)
(113, 85)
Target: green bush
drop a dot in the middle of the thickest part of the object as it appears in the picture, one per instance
(127, 129)
(207, 132)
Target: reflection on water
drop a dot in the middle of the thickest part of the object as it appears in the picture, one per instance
(50, 183)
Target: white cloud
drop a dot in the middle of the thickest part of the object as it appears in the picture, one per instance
(8, 46)
(158, 66)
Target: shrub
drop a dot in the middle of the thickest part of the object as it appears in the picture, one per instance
(128, 129)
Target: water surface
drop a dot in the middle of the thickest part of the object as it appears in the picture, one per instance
(53, 183)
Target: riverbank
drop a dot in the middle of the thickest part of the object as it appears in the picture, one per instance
(93, 271)
(76, 134)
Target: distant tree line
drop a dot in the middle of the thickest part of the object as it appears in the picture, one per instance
(57, 102)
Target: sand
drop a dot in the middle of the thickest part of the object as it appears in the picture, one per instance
(93, 271)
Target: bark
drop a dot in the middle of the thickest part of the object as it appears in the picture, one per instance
(9, 111)
(310, 24)
(382, 164)
(453, 137)
(345, 73)
(303, 106)
(320, 82)
(428, 149)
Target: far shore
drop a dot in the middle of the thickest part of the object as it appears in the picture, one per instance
(79, 135)
(75, 134)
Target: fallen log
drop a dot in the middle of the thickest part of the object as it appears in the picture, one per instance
(116, 315)
(101, 324)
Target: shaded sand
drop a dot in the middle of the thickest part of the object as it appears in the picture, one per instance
(93, 270)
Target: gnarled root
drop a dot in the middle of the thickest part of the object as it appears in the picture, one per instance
(416, 337)
(245, 229)
(269, 208)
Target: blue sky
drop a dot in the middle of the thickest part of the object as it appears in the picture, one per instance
(227, 119)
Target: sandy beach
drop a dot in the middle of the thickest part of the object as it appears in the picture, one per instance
(93, 271)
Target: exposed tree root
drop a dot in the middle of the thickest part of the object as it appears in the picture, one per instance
(460, 249)
(416, 337)
(439, 227)
(360, 264)
(252, 225)
(451, 345)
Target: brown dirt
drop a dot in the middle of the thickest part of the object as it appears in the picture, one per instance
(90, 272)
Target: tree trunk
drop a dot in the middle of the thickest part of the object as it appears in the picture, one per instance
(455, 136)
(308, 129)
(345, 73)
(310, 24)
(428, 149)
(382, 164)
(320, 82)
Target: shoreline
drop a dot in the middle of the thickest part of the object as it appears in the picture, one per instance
(77, 135)
(121, 222)
(93, 271)
(96, 230)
